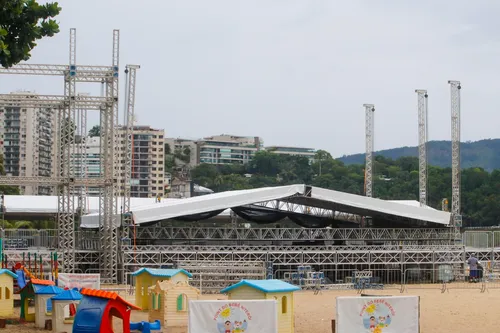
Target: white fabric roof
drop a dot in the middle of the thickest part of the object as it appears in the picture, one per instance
(230, 199)
(48, 204)
(404, 209)
(212, 202)
(148, 210)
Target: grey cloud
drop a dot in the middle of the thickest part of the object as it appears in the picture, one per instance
(294, 72)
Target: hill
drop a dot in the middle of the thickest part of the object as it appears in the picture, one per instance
(480, 195)
(484, 154)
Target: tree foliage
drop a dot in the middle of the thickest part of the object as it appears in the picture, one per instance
(393, 180)
(22, 23)
(95, 131)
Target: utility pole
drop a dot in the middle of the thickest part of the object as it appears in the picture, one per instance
(422, 145)
(369, 139)
(455, 158)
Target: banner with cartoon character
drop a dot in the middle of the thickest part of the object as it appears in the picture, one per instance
(228, 316)
(395, 314)
(70, 281)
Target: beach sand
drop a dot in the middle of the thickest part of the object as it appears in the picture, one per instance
(456, 311)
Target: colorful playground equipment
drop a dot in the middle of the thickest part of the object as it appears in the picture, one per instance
(43, 304)
(169, 300)
(61, 322)
(147, 277)
(6, 292)
(145, 327)
(277, 290)
(32, 267)
(28, 293)
(97, 309)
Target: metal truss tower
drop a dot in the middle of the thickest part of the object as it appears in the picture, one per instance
(130, 79)
(369, 139)
(455, 156)
(67, 180)
(422, 145)
(108, 204)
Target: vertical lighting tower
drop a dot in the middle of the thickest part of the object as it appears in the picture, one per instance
(131, 73)
(66, 204)
(422, 98)
(455, 157)
(369, 129)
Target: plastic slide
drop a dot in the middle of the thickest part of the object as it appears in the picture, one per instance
(21, 281)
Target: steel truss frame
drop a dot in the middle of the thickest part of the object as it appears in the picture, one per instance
(455, 88)
(130, 79)
(295, 255)
(423, 134)
(67, 181)
(212, 276)
(293, 234)
(369, 142)
(291, 207)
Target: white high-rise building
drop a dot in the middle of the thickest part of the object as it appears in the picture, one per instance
(91, 151)
(148, 169)
(27, 142)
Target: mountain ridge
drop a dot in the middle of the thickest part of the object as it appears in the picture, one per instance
(484, 154)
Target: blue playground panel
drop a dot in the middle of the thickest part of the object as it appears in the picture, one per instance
(145, 327)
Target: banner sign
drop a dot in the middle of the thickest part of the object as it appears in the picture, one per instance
(396, 314)
(227, 316)
(92, 281)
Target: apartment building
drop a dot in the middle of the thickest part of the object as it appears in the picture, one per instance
(27, 142)
(228, 149)
(148, 170)
(91, 158)
(148, 159)
(295, 151)
(186, 149)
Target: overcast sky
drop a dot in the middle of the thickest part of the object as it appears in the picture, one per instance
(294, 72)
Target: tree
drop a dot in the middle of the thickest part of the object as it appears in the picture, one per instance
(95, 131)
(22, 23)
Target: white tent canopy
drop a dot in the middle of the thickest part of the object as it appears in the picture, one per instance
(40, 204)
(147, 210)
(317, 197)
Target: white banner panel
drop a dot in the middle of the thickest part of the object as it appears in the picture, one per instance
(71, 281)
(249, 316)
(396, 314)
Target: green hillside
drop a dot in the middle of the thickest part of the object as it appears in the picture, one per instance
(484, 154)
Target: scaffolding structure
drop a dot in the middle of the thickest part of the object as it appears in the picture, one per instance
(67, 181)
(369, 139)
(212, 276)
(423, 134)
(455, 88)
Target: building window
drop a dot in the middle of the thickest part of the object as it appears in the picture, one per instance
(283, 305)
(181, 302)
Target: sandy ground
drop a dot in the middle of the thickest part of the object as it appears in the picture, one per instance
(456, 311)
